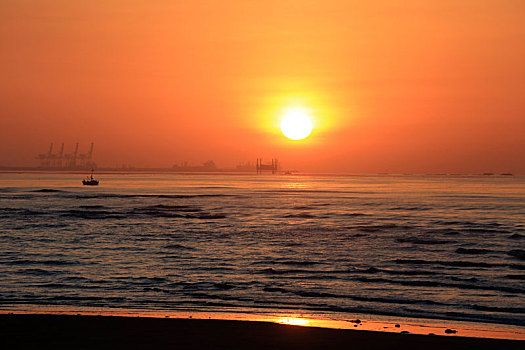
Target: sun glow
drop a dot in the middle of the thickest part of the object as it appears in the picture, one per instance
(294, 321)
(296, 125)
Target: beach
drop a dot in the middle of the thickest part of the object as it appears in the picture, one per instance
(89, 332)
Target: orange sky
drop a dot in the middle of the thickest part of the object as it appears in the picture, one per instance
(392, 86)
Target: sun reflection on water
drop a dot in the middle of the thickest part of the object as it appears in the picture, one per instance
(294, 186)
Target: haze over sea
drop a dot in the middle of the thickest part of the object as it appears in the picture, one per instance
(443, 247)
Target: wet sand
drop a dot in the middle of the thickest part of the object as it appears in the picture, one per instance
(112, 332)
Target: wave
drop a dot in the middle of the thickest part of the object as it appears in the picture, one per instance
(21, 211)
(485, 231)
(224, 286)
(516, 277)
(473, 251)
(442, 231)
(206, 216)
(164, 207)
(177, 211)
(512, 310)
(93, 207)
(8, 190)
(146, 280)
(306, 207)
(303, 274)
(93, 214)
(470, 196)
(301, 216)
(272, 271)
(472, 224)
(38, 272)
(378, 228)
(47, 190)
(215, 187)
(299, 263)
(165, 211)
(454, 223)
(357, 235)
(426, 241)
(101, 195)
(321, 294)
(18, 197)
(410, 272)
(55, 285)
(159, 211)
(222, 299)
(178, 247)
(84, 298)
(329, 274)
(426, 283)
(516, 236)
(411, 208)
(76, 279)
(38, 262)
(313, 206)
(448, 263)
(517, 254)
(169, 196)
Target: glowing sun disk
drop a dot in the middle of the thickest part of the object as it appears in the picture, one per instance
(296, 125)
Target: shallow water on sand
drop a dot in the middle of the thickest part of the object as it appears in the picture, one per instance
(446, 247)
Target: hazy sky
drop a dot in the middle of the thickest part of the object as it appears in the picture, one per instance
(391, 86)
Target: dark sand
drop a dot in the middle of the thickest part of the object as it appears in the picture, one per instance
(19, 331)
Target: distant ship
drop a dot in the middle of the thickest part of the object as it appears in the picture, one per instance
(90, 181)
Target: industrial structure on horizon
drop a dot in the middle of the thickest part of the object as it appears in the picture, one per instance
(72, 160)
(273, 167)
(84, 161)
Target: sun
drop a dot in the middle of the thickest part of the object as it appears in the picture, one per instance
(296, 125)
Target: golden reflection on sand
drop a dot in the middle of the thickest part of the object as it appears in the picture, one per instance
(293, 321)
(363, 323)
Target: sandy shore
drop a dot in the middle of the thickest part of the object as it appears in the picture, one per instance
(91, 332)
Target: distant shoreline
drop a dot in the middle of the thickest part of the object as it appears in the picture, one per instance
(218, 171)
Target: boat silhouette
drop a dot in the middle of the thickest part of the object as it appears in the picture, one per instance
(90, 181)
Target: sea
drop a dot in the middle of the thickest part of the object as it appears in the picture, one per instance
(430, 247)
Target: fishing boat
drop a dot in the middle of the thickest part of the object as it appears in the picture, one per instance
(90, 181)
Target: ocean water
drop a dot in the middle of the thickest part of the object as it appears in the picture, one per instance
(443, 247)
